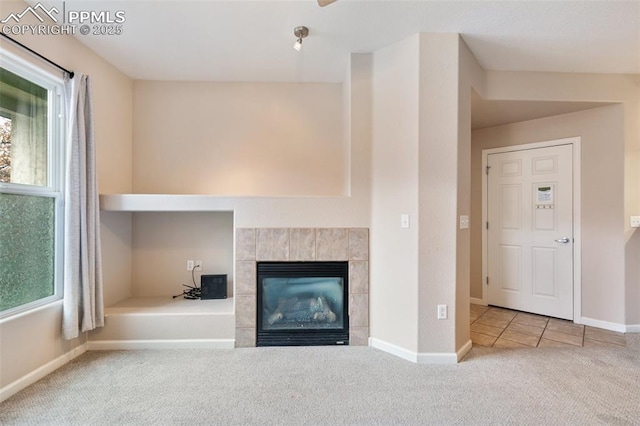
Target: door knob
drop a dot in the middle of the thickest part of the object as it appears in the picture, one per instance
(564, 240)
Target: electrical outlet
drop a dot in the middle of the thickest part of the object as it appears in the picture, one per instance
(634, 221)
(189, 265)
(442, 311)
(198, 265)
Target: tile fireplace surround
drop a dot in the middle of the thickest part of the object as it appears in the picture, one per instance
(301, 244)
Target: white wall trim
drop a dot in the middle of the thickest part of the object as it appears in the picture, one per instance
(37, 374)
(633, 328)
(577, 228)
(612, 326)
(464, 350)
(477, 301)
(437, 358)
(111, 345)
(575, 142)
(420, 358)
(393, 349)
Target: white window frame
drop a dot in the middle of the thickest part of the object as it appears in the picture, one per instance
(55, 167)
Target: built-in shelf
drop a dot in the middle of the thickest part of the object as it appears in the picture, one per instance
(165, 322)
(165, 203)
(202, 203)
(167, 305)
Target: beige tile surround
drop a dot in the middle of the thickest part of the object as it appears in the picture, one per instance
(301, 244)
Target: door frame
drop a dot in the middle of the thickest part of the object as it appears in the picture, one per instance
(577, 214)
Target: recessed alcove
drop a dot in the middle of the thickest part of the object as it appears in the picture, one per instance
(160, 244)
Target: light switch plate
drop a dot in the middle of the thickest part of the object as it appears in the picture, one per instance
(634, 221)
(404, 221)
(464, 222)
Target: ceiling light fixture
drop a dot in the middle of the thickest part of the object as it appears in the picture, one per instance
(300, 33)
(323, 3)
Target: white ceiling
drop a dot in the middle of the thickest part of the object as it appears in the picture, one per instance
(252, 40)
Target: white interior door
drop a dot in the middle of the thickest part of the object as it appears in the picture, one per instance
(530, 230)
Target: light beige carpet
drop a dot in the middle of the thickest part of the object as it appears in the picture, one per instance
(336, 385)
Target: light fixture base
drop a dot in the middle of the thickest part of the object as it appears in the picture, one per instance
(301, 32)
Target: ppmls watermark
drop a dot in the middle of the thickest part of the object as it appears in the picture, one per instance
(68, 22)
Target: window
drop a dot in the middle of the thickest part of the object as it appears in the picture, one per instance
(31, 179)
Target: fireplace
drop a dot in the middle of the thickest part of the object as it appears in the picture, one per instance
(297, 245)
(302, 303)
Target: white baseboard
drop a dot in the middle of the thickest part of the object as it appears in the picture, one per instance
(393, 349)
(115, 345)
(464, 350)
(420, 358)
(24, 381)
(633, 328)
(477, 301)
(437, 358)
(612, 326)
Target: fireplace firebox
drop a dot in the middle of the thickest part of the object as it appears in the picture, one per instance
(302, 303)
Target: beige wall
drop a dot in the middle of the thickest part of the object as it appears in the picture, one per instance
(30, 341)
(163, 242)
(116, 256)
(325, 212)
(471, 77)
(312, 211)
(438, 189)
(394, 251)
(632, 269)
(632, 248)
(602, 177)
(251, 139)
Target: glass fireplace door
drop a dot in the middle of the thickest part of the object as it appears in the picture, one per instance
(302, 303)
(295, 303)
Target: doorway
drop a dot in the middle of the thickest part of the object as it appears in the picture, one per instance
(531, 238)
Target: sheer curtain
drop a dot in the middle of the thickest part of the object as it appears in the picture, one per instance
(83, 307)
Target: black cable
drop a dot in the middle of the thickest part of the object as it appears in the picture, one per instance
(194, 292)
(193, 279)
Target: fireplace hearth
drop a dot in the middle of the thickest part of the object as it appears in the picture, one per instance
(302, 303)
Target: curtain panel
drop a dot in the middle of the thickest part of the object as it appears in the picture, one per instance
(83, 307)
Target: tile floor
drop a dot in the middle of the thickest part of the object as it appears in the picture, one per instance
(498, 327)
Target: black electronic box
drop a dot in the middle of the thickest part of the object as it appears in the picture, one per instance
(213, 286)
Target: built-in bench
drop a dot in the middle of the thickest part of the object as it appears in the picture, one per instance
(165, 322)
